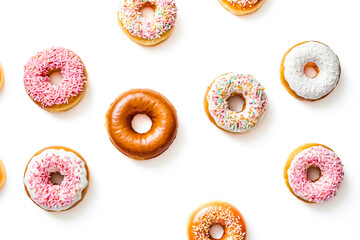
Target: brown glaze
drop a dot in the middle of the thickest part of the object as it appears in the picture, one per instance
(145, 42)
(199, 219)
(291, 157)
(83, 193)
(72, 101)
(147, 145)
(239, 10)
(2, 174)
(2, 77)
(286, 84)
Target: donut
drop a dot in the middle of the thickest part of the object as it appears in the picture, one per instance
(47, 195)
(144, 31)
(230, 84)
(2, 77)
(2, 174)
(141, 146)
(61, 97)
(213, 213)
(313, 155)
(241, 7)
(310, 54)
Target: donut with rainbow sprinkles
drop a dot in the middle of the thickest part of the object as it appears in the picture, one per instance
(233, 84)
(318, 156)
(147, 32)
(71, 89)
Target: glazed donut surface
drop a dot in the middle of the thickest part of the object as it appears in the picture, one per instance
(212, 213)
(2, 76)
(147, 145)
(2, 174)
(43, 192)
(241, 7)
(313, 155)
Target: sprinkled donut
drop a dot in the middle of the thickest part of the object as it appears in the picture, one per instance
(230, 84)
(310, 54)
(241, 7)
(2, 174)
(313, 155)
(144, 31)
(213, 213)
(43, 192)
(2, 78)
(69, 92)
(141, 146)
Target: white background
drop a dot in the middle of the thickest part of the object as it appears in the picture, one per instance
(130, 199)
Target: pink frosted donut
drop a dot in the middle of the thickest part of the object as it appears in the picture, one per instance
(50, 196)
(331, 173)
(147, 31)
(55, 97)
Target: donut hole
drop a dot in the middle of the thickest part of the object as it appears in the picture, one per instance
(313, 173)
(55, 77)
(216, 231)
(141, 123)
(311, 70)
(236, 102)
(56, 178)
(147, 11)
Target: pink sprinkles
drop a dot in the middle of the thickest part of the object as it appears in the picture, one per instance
(37, 83)
(331, 170)
(45, 193)
(138, 26)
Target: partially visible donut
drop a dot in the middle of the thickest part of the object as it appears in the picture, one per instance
(310, 54)
(212, 213)
(143, 31)
(2, 76)
(136, 145)
(313, 155)
(2, 174)
(241, 7)
(47, 195)
(69, 92)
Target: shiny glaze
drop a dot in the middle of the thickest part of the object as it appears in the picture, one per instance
(2, 174)
(237, 9)
(147, 145)
(199, 220)
(2, 78)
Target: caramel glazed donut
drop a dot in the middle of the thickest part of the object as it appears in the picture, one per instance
(143, 31)
(241, 7)
(217, 212)
(313, 155)
(141, 146)
(43, 192)
(2, 174)
(310, 54)
(2, 77)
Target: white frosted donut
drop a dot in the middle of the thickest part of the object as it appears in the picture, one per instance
(325, 62)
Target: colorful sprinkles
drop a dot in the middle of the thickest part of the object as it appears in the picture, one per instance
(243, 3)
(46, 194)
(37, 82)
(327, 185)
(256, 102)
(164, 18)
(213, 215)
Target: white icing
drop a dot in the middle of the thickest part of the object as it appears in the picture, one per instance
(79, 171)
(325, 59)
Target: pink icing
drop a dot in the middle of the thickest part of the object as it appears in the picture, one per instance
(37, 83)
(331, 170)
(163, 20)
(45, 193)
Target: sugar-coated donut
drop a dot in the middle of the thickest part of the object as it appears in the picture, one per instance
(212, 213)
(2, 77)
(241, 7)
(69, 92)
(43, 192)
(2, 174)
(147, 145)
(313, 155)
(230, 84)
(310, 54)
(144, 31)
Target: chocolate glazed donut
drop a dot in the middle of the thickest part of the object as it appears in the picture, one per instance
(141, 146)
